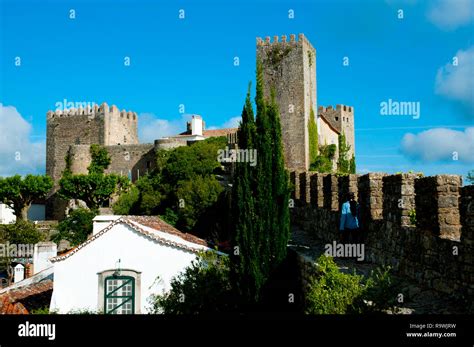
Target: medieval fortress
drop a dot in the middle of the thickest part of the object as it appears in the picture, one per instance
(435, 249)
(289, 68)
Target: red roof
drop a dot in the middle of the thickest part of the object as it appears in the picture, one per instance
(24, 299)
(152, 222)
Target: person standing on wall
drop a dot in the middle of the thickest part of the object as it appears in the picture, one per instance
(349, 225)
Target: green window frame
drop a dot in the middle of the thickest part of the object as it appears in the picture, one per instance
(119, 295)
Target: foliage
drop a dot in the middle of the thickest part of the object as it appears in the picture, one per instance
(260, 215)
(181, 189)
(352, 165)
(343, 163)
(19, 193)
(412, 215)
(95, 188)
(196, 196)
(42, 310)
(126, 202)
(381, 289)
(332, 292)
(20, 233)
(324, 160)
(470, 177)
(76, 227)
(100, 159)
(313, 136)
(204, 287)
(277, 54)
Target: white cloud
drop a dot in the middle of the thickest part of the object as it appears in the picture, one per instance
(440, 144)
(18, 154)
(230, 123)
(451, 14)
(456, 82)
(151, 127)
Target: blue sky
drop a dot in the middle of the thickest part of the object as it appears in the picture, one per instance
(190, 62)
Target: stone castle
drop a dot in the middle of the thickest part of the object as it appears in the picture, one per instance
(289, 68)
(423, 227)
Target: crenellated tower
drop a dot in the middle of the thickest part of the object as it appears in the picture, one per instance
(102, 125)
(289, 68)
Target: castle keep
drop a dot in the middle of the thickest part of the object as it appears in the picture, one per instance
(289, 69)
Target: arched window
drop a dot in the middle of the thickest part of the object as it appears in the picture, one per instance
(119, 291)
(119, 295)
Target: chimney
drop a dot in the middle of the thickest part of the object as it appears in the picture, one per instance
(19, 273)
(42, 253)
(196, 125)
(103, 221)
(28, 270)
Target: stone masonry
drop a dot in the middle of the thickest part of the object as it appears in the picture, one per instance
(289, 68)
(421, 226)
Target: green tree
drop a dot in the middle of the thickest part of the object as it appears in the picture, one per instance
(76, 227)
(126, 204)
(352, 165)
(19, 193)
(324, 161)
(260, 212)
(313, 137)
(100, 159)
(245, 270)
(343, 163)
(204, 287)
(470, 177)
(20, 233)
(194, 198)
(280, 221)
(95, 188)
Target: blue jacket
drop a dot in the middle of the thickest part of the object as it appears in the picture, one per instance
(348, 221)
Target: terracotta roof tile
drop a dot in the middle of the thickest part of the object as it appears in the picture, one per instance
(152, 222)
(16, 301)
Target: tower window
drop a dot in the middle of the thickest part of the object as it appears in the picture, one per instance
(337, 118)
(344, 108)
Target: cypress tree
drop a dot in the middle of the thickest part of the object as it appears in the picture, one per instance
(343, 164)
(280, 229)
(264, 176)
(313, 138)
(245, 272)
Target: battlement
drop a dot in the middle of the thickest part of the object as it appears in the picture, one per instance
(92, 111)
(339, 108)
(421, 226)
(302, 40)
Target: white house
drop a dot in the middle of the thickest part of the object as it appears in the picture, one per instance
(6, 214)
(124, 262)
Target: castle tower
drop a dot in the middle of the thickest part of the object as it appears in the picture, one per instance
(289, 67)
(342, 119)
(82, 126)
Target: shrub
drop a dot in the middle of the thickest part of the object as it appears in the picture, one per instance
(204, 287)
(127, 202)
(76, 227)
(333, 292)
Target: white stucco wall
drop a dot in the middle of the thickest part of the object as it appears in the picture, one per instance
(76, 280)
(6, 215)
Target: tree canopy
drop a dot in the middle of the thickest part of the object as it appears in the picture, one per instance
(19, 193)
